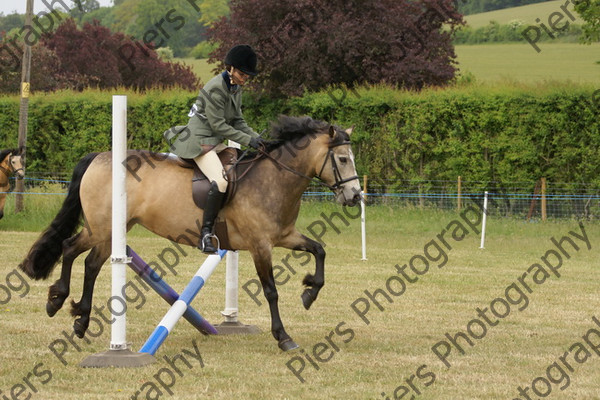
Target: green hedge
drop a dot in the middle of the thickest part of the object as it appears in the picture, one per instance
(501, 134)
(512, 32)
(482, 134)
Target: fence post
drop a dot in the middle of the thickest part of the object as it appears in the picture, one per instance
(543, 199)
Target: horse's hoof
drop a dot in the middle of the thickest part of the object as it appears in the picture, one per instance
(287, 345)
(51, 309)
(307, 299)
(79, 329)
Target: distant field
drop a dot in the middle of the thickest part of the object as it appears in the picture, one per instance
(511, 61)
(514, 61)
(527, 14)
(200, 67)
(520, 62)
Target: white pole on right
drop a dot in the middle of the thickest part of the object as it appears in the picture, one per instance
(483, 221)
(363, 226)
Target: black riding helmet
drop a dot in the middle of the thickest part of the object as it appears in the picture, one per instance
(243, 58)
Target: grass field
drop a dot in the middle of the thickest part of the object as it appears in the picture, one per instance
(520, 62)
(514, 62)
(200, 68)
(392, 353)
(528, 14)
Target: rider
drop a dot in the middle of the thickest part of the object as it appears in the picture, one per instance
(215, 116)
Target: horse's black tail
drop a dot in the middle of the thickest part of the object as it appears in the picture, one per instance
(47, 250)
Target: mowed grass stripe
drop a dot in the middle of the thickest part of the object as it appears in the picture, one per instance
(528, 14)
(521, 63)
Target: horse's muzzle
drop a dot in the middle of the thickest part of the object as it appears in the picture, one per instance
(353, 201)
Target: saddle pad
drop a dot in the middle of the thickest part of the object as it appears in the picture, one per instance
(201, 185)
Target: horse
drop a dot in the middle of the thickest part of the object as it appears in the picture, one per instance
(261, 215)
(11, 162)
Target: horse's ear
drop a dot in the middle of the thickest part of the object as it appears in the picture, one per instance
(349, 130)
(332, 132)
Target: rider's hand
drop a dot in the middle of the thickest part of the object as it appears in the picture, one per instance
(257, 142)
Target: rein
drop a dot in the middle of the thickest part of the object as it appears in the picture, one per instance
(330, 155)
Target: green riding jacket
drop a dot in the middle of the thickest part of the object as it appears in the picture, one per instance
(215, 116)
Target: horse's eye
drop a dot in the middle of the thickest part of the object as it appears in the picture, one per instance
(343, 160)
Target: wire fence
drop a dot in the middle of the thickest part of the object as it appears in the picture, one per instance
(529, 200)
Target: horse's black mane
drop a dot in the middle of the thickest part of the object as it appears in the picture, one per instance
(287, 128)
(4, 153)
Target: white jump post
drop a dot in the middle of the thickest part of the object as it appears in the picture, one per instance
(119, 354)
(484, 217)
(363, 219)
(363, 228)
(231, 324)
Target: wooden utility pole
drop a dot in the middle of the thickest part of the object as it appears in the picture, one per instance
(24, 108)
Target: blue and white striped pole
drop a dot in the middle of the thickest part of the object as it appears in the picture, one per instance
(165, 326)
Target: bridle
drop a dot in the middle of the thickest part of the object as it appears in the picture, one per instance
(10, 164)
(339, 181)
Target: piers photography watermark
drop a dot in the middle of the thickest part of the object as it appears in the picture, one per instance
(435, 253)
(165, 378)
(65, 345)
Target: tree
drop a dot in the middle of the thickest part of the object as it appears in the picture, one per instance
(213, 10)
(93, 56)
(589, 11)
(311, 44)
(44, 66)
(10, 21)
(81, 7)
(174, 23)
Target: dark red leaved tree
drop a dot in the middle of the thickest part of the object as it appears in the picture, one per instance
(93, 56)
(311, 44)
(44, 66)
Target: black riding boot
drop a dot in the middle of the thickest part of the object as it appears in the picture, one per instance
(211, 210)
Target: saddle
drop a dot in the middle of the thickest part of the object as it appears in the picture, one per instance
(200, 183)
(201, 186)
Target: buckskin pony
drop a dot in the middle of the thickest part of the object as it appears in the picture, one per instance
(261, 214)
